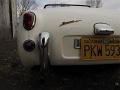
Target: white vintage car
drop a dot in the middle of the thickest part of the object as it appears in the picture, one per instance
(68, 34)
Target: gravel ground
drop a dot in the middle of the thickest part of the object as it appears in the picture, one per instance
(13, 76)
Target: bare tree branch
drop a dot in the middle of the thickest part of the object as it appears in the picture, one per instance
(94, 3)
(24, 5)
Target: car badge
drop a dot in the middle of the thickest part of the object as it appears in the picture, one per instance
(69, 22)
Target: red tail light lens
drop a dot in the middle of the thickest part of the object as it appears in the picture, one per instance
(29, 20)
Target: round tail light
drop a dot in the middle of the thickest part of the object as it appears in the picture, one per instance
(29, 20)
(29, 45)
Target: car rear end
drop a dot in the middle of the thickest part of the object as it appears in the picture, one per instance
(72, 37)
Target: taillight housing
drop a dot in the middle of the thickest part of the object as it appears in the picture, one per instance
(29, 20)
(29, 45)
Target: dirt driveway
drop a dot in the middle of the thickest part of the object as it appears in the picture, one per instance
(13, 76)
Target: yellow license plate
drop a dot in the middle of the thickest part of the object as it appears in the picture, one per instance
(100, 48)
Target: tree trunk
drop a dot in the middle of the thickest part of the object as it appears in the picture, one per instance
(5, 19)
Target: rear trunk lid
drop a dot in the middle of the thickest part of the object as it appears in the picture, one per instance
(66, 24)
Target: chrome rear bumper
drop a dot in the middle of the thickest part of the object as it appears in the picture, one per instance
(43, 49)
